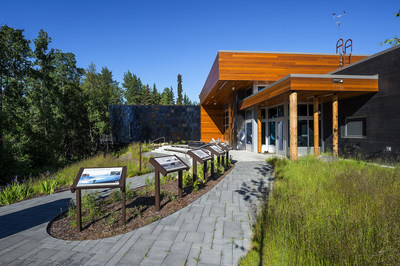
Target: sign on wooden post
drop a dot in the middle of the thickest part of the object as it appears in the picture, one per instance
(226, 148)
(199, 156)
(95, 178)
(165, 165)
(217, 151)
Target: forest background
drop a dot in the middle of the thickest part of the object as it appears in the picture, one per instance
(52, 112)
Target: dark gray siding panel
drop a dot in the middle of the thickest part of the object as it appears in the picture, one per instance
(149, 122)
(381, 109)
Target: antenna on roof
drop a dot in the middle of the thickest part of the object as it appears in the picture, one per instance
(342, 46)
(338, 17)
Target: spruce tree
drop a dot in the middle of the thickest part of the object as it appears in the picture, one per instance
(179, 98)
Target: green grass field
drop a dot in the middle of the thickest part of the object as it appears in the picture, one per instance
(344, 212)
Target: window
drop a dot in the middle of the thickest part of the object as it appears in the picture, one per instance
(263, 113)
(355, 127)
(249, 92)
(261, 88)
(280, 111)
(263, 133)
(272, 113)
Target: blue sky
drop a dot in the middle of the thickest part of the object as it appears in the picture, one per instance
(156, 40)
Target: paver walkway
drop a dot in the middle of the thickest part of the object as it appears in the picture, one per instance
(213, 230)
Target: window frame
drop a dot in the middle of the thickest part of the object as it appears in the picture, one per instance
(364, 127)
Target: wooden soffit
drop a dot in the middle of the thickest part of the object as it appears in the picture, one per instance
(311, 85)
(267, 67)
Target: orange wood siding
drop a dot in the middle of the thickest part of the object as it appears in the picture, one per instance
(326, 84)
(264, 95)
(313, 86)
(274, 66)
(264, 67)
(210, 123)
(212, 79)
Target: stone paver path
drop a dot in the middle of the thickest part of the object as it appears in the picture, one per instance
(213, 230)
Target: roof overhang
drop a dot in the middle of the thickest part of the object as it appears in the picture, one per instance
(241, 70)
(312, 85)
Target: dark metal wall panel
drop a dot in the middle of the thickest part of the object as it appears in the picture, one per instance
(381, 109)
(149, 122)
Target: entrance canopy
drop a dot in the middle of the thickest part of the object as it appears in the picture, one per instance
(309, 86)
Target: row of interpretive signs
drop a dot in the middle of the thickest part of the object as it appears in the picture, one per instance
(114, 177)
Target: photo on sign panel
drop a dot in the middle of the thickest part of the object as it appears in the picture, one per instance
(93, 176)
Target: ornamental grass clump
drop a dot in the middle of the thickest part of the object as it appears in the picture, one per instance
(15, 191)
(344, 212)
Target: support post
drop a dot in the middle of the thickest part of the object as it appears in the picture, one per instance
(335, 123)
(205, 171)
(194, 170)
(157, 189)
(78, 210)
(259, 129)
(212, 166)
(316, 127)
(124, 205)
(293, 125)
(180, 184)
(140, 157)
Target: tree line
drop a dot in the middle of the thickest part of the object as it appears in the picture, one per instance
(53, 112)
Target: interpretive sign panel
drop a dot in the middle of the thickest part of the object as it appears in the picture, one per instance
(214, 149)
(201, 155)
(168, 164)
(100, 176)
(164, 165)
(225, 146)
(92, 178)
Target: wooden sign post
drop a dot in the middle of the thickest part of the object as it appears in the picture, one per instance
(95, 178)
(226, 148)
(165, 165)
(217, 151)
(199, 156)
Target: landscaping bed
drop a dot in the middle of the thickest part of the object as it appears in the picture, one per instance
(102, 217)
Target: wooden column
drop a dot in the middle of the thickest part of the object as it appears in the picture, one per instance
(316, 127)
(335, 123)
(259, 129)
(293, 125)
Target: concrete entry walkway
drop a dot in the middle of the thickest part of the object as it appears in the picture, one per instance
(213, 230)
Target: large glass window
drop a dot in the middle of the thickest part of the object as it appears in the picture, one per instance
(356, 127)
(263, 133)
(311, 133)
(302, 110)
(271, 133)
(249, 133)
(272, 113)
(302, 133)
(263, 113)
(249, 114)
(280, 111)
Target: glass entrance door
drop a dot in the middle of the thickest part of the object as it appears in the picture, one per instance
(271, 137)
(249, 136)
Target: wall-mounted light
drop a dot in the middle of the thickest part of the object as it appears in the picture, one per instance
(337, 80)
(233, 88)
(215, 103)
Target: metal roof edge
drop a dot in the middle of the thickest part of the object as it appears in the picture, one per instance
(272, 52)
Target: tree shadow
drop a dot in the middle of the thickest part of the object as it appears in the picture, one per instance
(18, 221)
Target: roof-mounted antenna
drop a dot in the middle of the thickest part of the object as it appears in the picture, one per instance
(338, 17)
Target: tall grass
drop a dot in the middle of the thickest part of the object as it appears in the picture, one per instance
(47, 183)
(344, 212)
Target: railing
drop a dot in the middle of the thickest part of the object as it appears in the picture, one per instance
(157, 139)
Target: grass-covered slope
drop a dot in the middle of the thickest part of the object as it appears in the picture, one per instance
(48, 182)
(344, 212)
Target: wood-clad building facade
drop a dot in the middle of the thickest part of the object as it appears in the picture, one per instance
(286, 103)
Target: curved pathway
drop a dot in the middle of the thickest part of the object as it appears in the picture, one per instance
(213, 230)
